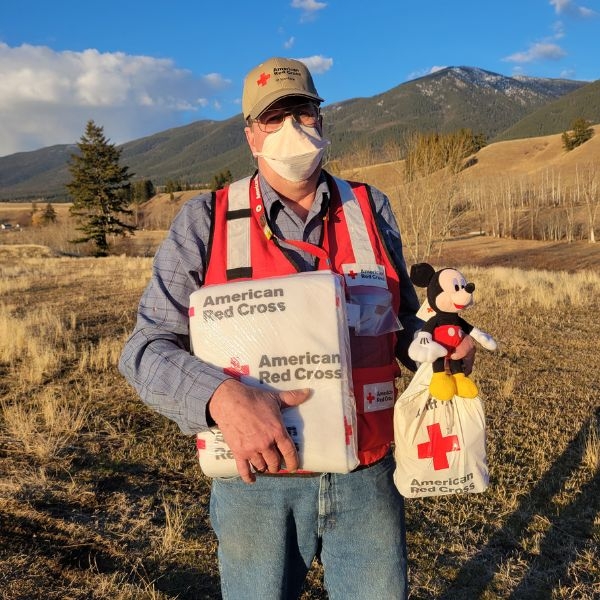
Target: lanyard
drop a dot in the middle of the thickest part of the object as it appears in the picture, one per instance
(258, 210)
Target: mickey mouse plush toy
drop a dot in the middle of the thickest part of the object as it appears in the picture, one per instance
(448, 293)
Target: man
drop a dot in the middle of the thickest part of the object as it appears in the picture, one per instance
(270, 531)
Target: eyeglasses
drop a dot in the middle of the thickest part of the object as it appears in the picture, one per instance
(272, 120)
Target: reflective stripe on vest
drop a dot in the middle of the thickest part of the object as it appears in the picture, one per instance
(238, 230)
(238, 226)
(357, 229)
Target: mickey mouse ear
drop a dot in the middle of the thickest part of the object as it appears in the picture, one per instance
(421, 274)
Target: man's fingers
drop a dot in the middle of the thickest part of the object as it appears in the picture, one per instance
(467, 346)
(258, 464)
(288, 454)
(243, 467)
(466, 351)
(252, 425)
(294, 397)
(273, 461)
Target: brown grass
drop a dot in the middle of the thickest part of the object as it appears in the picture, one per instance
(102, 498)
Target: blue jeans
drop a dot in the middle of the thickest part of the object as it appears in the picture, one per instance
(270, 531)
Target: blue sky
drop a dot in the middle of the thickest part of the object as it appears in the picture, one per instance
(137, 68)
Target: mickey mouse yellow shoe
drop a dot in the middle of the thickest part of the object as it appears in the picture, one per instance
(465, 388)
(442, 386)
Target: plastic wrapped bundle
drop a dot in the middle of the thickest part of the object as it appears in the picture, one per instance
(283, 333)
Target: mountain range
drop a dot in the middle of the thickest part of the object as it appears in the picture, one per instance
(497, 106)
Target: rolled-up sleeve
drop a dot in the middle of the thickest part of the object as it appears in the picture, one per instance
(156, 359)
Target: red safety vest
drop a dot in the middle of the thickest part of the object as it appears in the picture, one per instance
(242, 247)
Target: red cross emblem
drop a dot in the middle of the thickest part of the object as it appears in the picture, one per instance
(370, 398)
(262, 80)
(236, 370)
(438, 446)
(352, 274)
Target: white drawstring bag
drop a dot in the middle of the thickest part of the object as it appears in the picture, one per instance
(439, 446)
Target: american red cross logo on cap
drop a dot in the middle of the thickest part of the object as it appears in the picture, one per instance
(262, 80)
(438, 446)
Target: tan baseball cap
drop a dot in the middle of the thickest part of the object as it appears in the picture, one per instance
(274, 79)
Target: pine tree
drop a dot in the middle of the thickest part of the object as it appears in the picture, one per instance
(41, 218)
(100, 189)
(582, 131)
(142, 191)
(49, 214)
(221, 180)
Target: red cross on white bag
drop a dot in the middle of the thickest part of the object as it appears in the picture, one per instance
(438, 446)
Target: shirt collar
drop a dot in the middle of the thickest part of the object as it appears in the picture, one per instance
(273, 202)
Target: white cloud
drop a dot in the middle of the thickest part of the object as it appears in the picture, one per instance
(559, 30)
(46, 97)
(567, 74)
(309, 8)
(537, 51)
(289, 43)
(572, 8)
(317, 64)
(308, 5)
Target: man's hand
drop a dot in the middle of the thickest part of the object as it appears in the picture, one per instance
(252, 426)
(466, 351)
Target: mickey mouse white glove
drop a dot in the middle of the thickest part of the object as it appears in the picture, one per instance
(485, 339)
(424, 349)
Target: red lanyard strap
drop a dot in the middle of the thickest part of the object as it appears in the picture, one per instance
(258, 210)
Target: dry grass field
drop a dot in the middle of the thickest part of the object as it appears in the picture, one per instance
(100, 498)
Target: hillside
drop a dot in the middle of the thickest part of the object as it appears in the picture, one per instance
(534, 158)
(450, 99)
(530, 161)
(444, 101)
(558, 116)
(531, 158)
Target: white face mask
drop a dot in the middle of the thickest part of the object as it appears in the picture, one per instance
(294, 151)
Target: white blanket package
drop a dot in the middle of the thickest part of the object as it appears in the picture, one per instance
(283, 333)
(439, 446)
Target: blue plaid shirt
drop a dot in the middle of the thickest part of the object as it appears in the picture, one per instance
(156, 359)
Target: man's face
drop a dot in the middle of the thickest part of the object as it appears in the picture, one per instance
(271, 120)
